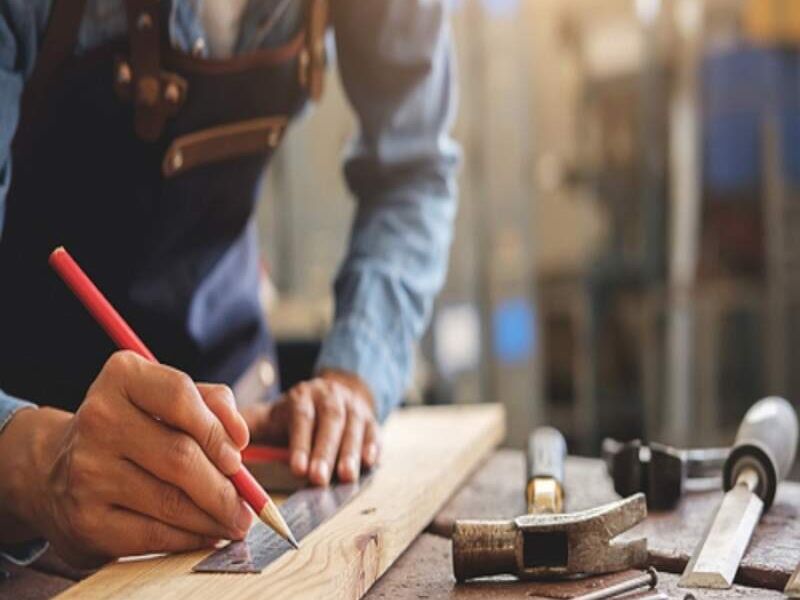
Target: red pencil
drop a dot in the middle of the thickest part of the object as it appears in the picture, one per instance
(125, 338)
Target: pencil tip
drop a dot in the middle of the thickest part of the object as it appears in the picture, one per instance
(293, 542)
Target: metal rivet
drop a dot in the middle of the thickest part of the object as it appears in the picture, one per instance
(199, 47)
(124, 74)
(145, 21)
(172, 93)
(177, 160)
(266, 373)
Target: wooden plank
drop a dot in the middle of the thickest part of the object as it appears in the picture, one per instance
(428, 452)
(425, 571)
(496, 491)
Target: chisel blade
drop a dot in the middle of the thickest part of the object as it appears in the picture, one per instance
(716, 559)
(792, 589)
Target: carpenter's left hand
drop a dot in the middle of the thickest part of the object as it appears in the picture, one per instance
(328, 422)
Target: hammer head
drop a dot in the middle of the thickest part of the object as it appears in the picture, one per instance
(541, 546)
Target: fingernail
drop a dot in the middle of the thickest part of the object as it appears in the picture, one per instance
(348, 469)
(320, 470)
(244, 518)
(372, 454)
(299, 463)
(230, 460)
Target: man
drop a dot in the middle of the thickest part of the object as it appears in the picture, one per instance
(135, 133)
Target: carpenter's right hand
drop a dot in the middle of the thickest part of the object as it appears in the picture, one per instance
(113, 481)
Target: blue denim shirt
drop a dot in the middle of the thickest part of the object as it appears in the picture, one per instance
(395, 61)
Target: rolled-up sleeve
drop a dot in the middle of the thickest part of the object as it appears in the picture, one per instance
(396, 64)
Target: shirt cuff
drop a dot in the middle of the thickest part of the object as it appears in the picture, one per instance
(354, 346)
(24, 554)
(9, 406)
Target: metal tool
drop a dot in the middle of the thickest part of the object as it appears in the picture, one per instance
(792, 589)
(304, 511)
(762, 454)
(662, 472)
(648, 580)
(547, 451)
(547, 545)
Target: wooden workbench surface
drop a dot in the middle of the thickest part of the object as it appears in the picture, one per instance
(495, 490)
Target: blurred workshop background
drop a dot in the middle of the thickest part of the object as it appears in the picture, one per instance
(627, 254)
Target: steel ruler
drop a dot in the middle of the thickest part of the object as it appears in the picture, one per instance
(304, 511)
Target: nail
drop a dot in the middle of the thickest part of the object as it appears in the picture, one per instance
(244, 518)
(230, 459)
(300, 462)
(348, 469)
(321, 471)
(372, 454)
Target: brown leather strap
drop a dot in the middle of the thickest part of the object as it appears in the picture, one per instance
(222, 143)
(312, 60)
(155, 94)
(57, 48)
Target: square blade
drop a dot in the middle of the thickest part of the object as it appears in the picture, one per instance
(716, 559)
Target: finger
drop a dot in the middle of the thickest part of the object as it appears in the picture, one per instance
(371, 447)
(129, 534)
(350, 451)
(135, 489)
(177, 459)
(330, 417)
(173, 397)
(258, 417)
(221, 401)
(301, 428)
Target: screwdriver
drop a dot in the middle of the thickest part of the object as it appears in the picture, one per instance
(126, 339)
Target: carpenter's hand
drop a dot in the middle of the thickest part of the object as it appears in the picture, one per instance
(112, 481)
(328, 421)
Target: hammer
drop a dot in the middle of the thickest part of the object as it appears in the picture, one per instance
(547, 543)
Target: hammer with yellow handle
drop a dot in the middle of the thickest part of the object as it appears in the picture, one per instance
(547, 451)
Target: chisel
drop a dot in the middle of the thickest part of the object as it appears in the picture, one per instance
(761, 457)
(547, 451)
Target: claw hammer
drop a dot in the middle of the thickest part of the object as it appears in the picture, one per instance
(547, 542)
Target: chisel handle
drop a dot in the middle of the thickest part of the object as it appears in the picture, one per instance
(547, 452)
(766, 442)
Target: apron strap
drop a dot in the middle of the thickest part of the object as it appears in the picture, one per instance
(59, 44)
(312, 59)
(156, 94)
(57, 48)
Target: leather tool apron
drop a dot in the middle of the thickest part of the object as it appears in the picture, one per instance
(145, 163)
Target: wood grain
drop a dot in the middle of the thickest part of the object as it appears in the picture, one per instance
(496, 491)
(425, 571)
(427, 453)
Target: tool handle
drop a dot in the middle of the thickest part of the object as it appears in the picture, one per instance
(765, 442)
(547, 451)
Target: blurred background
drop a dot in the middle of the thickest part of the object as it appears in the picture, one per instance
(627, 253)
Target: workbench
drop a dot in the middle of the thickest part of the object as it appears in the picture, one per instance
(495, 491)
